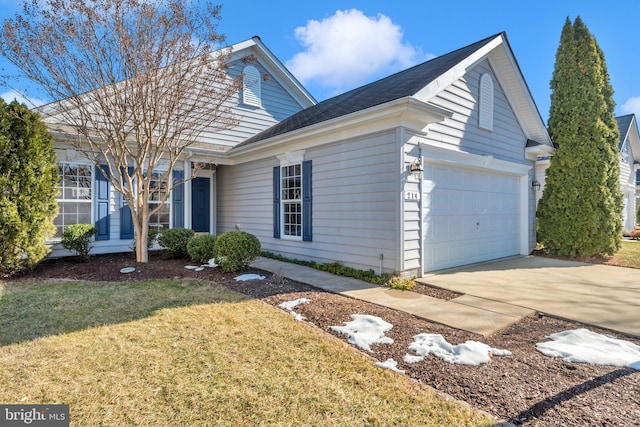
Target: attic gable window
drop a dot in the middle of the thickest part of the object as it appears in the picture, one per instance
(251, 86)
(486, 105)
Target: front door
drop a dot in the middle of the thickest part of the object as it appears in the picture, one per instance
(201, 204)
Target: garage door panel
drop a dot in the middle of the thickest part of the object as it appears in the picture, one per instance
(469, 216)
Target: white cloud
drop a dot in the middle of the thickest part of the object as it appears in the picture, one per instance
(349, 49)
(21, 98)
(632, 106)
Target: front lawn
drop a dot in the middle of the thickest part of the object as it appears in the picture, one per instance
(167, 353)
(627, 256)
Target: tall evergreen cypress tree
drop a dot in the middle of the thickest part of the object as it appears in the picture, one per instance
(28, 188)
(580, 212)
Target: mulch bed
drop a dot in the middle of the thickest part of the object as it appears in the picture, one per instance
(526, 388)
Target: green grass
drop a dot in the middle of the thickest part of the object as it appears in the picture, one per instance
(168, 353)
(627, 256)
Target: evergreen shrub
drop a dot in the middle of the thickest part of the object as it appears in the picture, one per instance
(77, 238)
(28, 188)
(175, 241)
(202, 248)
(235, 250)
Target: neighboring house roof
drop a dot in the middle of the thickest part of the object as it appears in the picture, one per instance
(419, 81)
(624, 126)
(253, 46)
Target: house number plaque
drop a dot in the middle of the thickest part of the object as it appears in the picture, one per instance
(412, 195)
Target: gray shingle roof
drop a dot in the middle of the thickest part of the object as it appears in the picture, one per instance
(624, 122)
(399, 85)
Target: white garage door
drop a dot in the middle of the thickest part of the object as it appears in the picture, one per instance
(469, 216)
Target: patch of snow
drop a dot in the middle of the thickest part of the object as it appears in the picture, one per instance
(249, 277)
(198, 269)
(411, 358)
(211, 263)
(190, 267)
(289, 305)
(365, 330)
(469, 353)
(390, 364)
(297, 316)
(128, 270)
(585, 346)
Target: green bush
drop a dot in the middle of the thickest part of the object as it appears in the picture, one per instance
(77, 238)
(28, 188)
(235, 250)
(152, 237)
(202, 248)
(401, 283)
(175, 241)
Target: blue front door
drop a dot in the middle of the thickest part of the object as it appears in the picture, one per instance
(201, 204)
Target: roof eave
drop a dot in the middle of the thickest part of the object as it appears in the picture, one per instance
(407, 112)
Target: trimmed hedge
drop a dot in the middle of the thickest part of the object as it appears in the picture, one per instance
(77, 238)
(175, 241)
(235, 250)
(202, 248)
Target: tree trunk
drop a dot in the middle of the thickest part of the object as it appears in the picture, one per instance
(141, 224)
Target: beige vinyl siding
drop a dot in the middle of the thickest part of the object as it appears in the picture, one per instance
(355, 203)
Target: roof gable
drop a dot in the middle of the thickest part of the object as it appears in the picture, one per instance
(400, 85)
(628, 126)
(624, 125)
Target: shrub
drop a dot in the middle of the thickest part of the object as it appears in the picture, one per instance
(77, 238)
(235, 250)
(202, 248)
(152, 236)
(28, 181)
(401, 283)
(175, 240)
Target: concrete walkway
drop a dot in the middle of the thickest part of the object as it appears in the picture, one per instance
(471, 313)
(593, 294)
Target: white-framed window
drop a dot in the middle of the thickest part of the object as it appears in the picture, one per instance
(74, 196)
(291, 187)
(251, 86)
(486, 102)
(159, 187)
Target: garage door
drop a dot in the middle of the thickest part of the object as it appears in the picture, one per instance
(469, 216)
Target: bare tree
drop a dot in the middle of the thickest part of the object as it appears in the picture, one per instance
(137, 82)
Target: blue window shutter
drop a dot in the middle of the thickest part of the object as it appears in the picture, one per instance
(276, 202)
(102, 205)
(177, 201)
(126, 221)
(307, 202)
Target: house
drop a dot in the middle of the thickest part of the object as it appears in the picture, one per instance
(629, 158)
(429, 168)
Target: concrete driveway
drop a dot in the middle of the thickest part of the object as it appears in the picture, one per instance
(590, 293)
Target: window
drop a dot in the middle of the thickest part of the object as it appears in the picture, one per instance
(251, 86)
(292, 200)
(74, 198)
(485, 114)
(158, 190)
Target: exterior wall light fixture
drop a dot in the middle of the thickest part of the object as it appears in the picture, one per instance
(535, 185)
(416, 168)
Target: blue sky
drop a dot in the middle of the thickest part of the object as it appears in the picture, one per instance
(332, 46)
